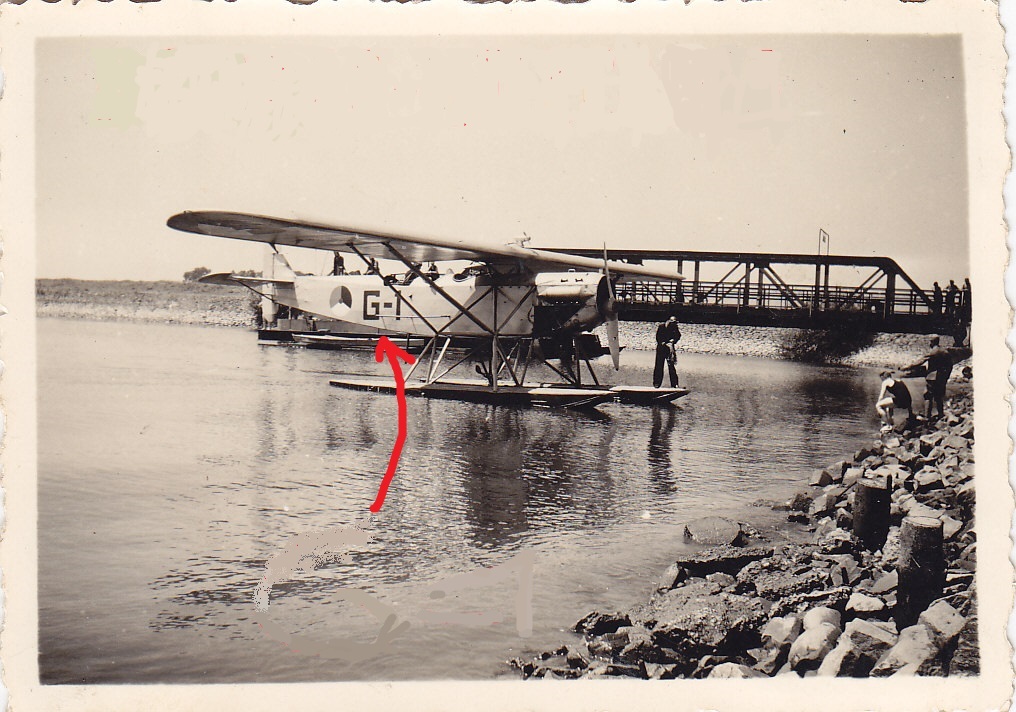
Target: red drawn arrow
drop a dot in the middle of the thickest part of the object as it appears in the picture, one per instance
(386, 348)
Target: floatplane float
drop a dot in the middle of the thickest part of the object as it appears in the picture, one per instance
(512, 306)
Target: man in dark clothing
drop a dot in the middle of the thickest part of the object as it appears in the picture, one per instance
(667, 336)
(952, 297)
(939, 366)
(966, 308)
(936, 299)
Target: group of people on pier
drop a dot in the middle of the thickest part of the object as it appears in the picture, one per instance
(953, 301)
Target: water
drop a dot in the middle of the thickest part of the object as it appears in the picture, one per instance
(175, 460)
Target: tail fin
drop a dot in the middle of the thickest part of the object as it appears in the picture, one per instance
(278, 268)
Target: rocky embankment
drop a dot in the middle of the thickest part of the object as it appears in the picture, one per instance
(885, 586)
(161, 302)
(887, 350)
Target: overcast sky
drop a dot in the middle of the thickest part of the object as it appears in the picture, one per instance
(719, 143)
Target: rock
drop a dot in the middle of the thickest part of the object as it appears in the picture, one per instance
(914, 649)
(870, 638)
(722, 559)
(966, 659)
(706, 666)
(799, 602)
(526, 667)
(965, 495)
(597, 623)
(733, 670)
(845, 563)
(836, 541)
(672, 577)
(640, 647)
(812, 645)
(822, 505)
(927, 480)
(821, 615)
(954, 442)
(845, 660)
(773, 660)
(695, 621)
(721, 579)
(714, 531)
(885, 582)
(621, 670)
(944, 622)
(852, 475)
(820, 478)
(781, 631)
(656, 671)
(921, 510)
(928, 442)
(800, 502)
(776, 577)
(861, 606)
(950, 527)
(844, 519)
(576, 661)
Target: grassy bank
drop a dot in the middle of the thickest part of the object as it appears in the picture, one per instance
(162, 302)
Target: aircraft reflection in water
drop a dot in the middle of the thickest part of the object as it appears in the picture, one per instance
(512, 306)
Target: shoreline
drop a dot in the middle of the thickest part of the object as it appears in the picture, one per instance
(235, 307)
(843, 599)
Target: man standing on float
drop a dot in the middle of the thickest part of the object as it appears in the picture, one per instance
(667, 336)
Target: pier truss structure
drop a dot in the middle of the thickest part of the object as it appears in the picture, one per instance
(767, 289)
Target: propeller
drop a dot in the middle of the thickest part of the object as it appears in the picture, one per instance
(610, 313)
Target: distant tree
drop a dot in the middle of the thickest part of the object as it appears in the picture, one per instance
(195, 274)
(248, 273)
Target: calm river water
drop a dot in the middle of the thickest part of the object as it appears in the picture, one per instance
(174, 461)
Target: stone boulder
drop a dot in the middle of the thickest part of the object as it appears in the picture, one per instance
(808, 650)
(733, 670)
(846, 660)
(599, 623)
(722, 559)
(915, 649)
(781, 631)
(695, 621)
(713, 531)
(944, 622)
(870, 638)
(820, 615)
(861, 606)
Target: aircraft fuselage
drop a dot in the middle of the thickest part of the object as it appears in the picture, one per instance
(454, 305)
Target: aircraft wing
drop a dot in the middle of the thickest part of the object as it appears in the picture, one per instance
(276, 231)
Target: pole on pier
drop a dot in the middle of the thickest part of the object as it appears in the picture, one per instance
(871, 512)
(921, 568)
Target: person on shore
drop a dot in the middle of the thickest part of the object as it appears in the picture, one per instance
(966, 308)
(894, 394)
(936, 299)
(938, 364)
(667, 336)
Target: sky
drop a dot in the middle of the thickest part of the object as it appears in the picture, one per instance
(731, 143)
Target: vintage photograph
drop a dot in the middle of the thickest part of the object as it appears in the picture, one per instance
(500, 356)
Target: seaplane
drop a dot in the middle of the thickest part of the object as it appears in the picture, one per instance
(511, 305)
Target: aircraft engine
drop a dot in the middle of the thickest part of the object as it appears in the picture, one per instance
(590, 292)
